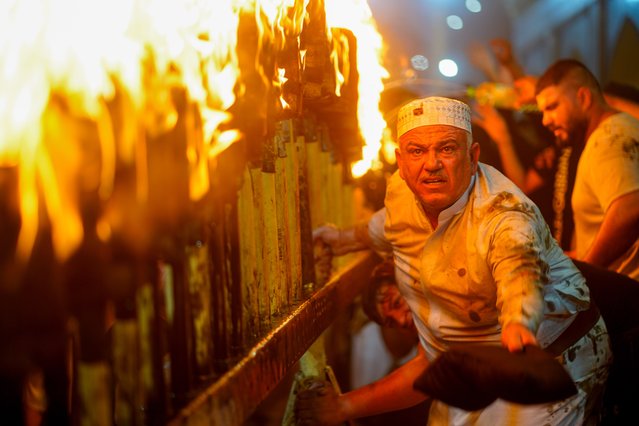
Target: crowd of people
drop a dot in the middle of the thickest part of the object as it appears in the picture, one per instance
(477, 262)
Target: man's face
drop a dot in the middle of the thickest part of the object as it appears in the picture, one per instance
(437, 163)
(393, 309)
(562, 114)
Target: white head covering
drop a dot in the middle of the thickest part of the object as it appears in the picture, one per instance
(433, 110)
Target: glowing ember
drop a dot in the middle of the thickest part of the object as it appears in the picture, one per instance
(356, 16)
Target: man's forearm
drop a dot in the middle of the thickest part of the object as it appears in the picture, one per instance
(360, 237)
(343, 241)
(618, 232)
(391, 393)
(510, 161)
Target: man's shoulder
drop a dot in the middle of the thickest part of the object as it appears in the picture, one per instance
(396, 183)
(402, 207)
(624, 118)
(495, 194)
(616, 138)
(491, 182)
(617, 126)
(397, 191)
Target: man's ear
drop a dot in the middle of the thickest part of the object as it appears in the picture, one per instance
(474, 155)
(398, 157)
(584, 97)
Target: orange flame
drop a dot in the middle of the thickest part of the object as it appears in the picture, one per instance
(63, 62)
(278, 21)
(356, 16)
(78, 50)
(279, 84)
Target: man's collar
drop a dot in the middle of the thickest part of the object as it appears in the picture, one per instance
(447, 214)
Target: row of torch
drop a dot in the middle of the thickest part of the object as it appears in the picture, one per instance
(229, 275)
(166, 291)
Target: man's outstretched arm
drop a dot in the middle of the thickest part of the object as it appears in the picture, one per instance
(323, 406)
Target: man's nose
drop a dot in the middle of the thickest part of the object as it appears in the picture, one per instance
(545, 119)
(431, 160)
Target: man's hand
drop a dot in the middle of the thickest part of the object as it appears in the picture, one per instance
(481, 57)
(342, 241)
(515, 336)
(503, 51)
(323, 257)
(546, 158)
(329, 235)
(488, 118)
(318, 405)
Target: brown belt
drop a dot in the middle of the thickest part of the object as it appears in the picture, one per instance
(576, 330)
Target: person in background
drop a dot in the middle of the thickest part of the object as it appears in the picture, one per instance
(497, 60)
(605, 198)
(549, 178)
(511, 135)
(476, 264)
(382, 301)
(387, 341)
(620, 404)
(388, 337)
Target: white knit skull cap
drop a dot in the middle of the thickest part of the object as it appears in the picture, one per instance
(433, 110)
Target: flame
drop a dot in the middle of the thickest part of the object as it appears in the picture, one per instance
(84, 51)
(339, 59)
(210, 67)
(356, 16)
(66, 63)
(279, 22)
(389, 145)
(281, 79)
(44, 52)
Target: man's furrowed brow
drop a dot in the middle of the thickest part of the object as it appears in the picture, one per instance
(416, 143)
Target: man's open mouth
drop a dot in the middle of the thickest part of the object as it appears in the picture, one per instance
(434, 181)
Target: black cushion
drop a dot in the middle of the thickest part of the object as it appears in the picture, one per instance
(616, 296)
(472, 377)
